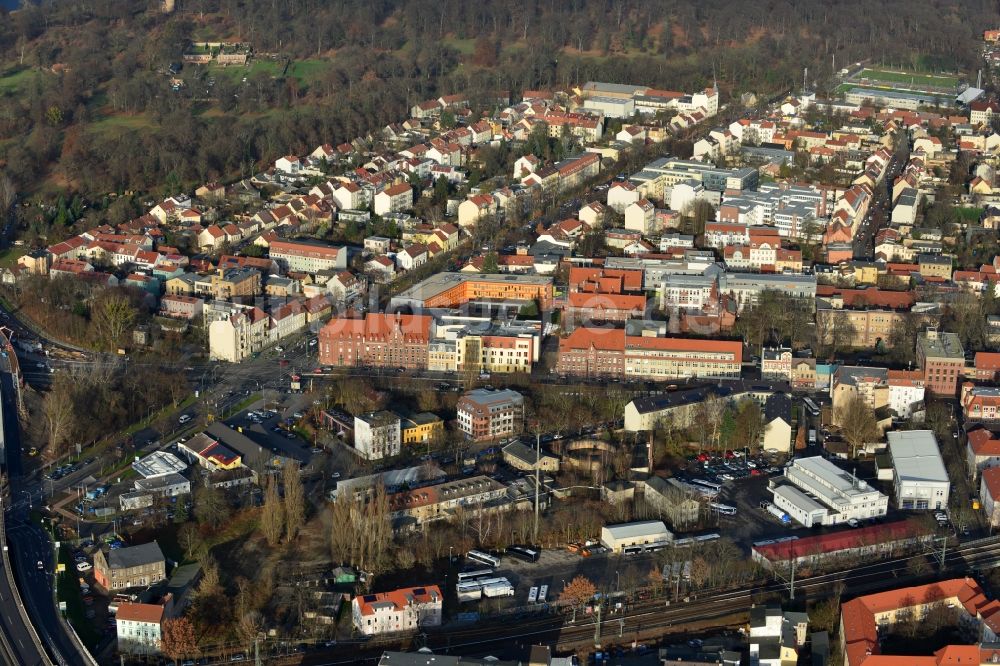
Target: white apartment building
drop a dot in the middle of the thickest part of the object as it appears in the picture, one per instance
(818, 492)
(688, 291)
(138, 627)
(919, 476)
(377, 435)
(405, 609)
(906, 393)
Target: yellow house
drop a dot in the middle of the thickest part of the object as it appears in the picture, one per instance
(422, 428)
(866, 273)
(182, 285)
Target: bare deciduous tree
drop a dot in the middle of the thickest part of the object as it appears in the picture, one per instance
(272, 514)
(295, 501)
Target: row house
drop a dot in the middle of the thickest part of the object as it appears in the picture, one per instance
(980, 404)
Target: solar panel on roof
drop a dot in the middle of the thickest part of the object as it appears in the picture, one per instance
(370, 598)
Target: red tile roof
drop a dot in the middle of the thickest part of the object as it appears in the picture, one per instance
(982, 442)
(400, 598)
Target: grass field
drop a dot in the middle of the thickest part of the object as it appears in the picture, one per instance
(940, 81)
(305, 71)
(10, 256)
(115, 122)
(14, 80)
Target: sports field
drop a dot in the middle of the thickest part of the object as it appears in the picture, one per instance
(913, 78)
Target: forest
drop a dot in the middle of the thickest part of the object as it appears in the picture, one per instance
(87, 105)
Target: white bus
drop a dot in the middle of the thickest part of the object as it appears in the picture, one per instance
(478, 574)
(532, 595)
(723, 509)
(484, 558)
(543, 592)
(811, 406)
(711, 485)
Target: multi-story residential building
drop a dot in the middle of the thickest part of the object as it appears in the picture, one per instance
(133, 566)
(377, 435)
(485, 415)
(906, 392)
(237, 335)
(139, 627)
(393, 199)
(378, 340)
(942, 358)
(980, 403)
(585, 308)
(982, 451)
(405, 609)
(776, 364)
(450, 290)
(231, 283)
(989, 495)
(870, 384)
(919, 478)
(986, 367)
(181, 307)
(439, 502)
(856, 328)
(745, 288)
(421, 428)
(307, 257)
(592, 352)
(864, 620)
(689, 292)
(814, 491)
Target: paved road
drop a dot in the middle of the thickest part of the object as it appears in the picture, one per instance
(28, 545)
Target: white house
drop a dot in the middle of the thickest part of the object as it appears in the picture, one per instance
(640, 217)
(289, 164)
(377, 435)
(138, 627)
(593, 214)
(406, 609)
(412, 257)
(393, 199)
(349, 196)
(621, 195)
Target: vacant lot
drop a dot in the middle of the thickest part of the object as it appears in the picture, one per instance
(913, 78)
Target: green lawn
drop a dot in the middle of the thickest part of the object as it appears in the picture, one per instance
(304, 70)
(120, 122)
(463, 46)
(15, 79)
(940, 81)
(10, 256)
(76, 610)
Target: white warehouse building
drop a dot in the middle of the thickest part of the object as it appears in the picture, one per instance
(814, 491)
(640, 535)
(919, 476)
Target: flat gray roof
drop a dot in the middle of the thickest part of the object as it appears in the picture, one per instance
(916, 456)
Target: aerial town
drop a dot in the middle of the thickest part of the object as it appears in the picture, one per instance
(597, 374)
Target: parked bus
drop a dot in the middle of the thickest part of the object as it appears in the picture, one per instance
(711, 485)
(811, 406)
(543, 592)
(478, 574)
(526, 553)
(723, 509)
(532, 595)
(484, 558)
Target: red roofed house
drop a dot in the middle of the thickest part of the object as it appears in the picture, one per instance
(982, 451)
(864, 619)
(400, 610)
(987, 366)
(989, 494)
(139, 626)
